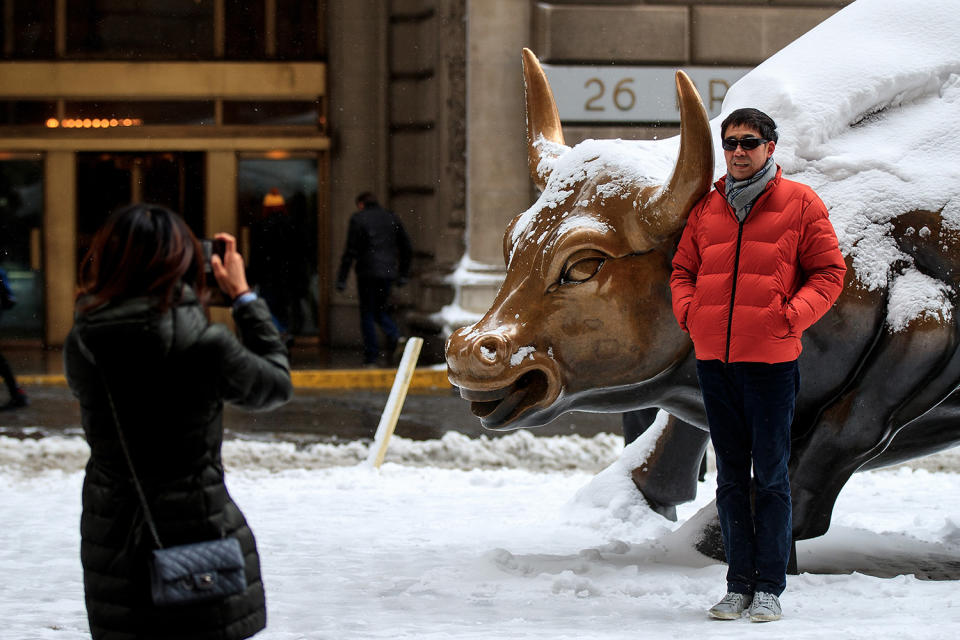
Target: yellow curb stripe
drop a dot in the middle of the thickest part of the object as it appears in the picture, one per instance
(423, 379)
(42, 380)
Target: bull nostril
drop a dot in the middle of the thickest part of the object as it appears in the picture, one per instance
(489, 349)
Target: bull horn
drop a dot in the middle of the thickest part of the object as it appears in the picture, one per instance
(543, 120)
(693, 173)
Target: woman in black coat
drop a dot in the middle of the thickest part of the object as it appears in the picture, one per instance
(140, 330)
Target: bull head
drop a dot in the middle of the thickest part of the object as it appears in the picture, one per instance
(583, 317)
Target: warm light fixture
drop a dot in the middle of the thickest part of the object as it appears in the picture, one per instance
(93, 123)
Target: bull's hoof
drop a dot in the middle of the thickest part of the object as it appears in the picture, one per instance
(710, 542)
(667, 511)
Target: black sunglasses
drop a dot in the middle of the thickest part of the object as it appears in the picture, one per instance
(748, 144)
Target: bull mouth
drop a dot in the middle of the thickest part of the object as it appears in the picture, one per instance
(497, 407)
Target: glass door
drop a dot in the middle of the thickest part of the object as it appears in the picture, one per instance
(277, 202)
(21, 216)
(106, 181)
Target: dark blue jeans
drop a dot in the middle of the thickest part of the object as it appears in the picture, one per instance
(374, 294)
(750, 409)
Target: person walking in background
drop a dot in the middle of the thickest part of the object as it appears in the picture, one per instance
(142, 358)
(18, 397)
(757, 264)
(380, 247)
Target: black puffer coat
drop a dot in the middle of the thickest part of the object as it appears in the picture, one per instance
(169, 374)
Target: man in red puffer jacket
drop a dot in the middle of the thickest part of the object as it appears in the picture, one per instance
(758, 263)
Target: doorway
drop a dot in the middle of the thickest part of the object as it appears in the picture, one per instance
(277, 213)
(108, 180)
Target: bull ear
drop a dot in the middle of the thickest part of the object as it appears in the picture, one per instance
(544, 134)
(693, 172)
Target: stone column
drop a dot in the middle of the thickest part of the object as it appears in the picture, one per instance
(498, 181)
(221, 193)
(358, 130)
(221, 208)
(59, 243)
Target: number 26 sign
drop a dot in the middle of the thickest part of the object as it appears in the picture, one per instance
(633, 94)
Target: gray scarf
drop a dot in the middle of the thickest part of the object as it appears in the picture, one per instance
(741, 194)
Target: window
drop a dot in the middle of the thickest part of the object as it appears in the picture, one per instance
(168, 30)
(28, 30)
(297, 30)
(279, 112)
(244, 27)
(26, 112)
(140, 113)
(132, 29)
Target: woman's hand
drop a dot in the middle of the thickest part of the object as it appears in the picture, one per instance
(229, 272)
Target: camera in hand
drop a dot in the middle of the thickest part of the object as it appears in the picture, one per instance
(213, 247)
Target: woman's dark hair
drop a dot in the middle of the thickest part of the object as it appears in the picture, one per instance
(142, 249)
(753, 118)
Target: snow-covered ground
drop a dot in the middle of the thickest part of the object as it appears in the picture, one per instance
(421, 549)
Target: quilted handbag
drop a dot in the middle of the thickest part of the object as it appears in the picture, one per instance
(197, 572)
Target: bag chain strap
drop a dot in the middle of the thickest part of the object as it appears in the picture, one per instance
(126, 454)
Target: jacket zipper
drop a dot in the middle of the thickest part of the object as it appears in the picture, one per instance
(736, 262)
(733, 288)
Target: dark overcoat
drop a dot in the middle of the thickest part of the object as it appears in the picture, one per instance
(169, 373)
(378, 243)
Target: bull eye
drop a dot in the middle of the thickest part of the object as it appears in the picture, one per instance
(581, 270)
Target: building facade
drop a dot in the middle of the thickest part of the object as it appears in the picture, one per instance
(207, 105)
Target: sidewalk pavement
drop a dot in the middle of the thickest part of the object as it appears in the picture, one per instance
(334, 401)
(313, 367)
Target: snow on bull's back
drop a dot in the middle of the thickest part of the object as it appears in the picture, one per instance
(867, 106)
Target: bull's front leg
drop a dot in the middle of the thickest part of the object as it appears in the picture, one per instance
(670, 474)
(903, 376)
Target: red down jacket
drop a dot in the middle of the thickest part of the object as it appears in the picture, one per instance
(745, 292)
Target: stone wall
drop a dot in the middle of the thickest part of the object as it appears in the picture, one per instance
(668, 32)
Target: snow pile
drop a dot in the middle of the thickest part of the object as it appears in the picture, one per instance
(63, 453)
(518, 450)
(612, 495)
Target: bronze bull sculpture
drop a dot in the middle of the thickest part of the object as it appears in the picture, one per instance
(583, 322)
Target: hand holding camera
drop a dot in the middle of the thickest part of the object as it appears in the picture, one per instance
(227, 266)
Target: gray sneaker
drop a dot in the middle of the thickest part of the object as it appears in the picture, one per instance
(731, 606)
(765, 607)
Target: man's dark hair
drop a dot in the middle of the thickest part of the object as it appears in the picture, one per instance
(366, 199)
(753, 118)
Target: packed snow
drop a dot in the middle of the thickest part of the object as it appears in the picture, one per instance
(447, 545)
